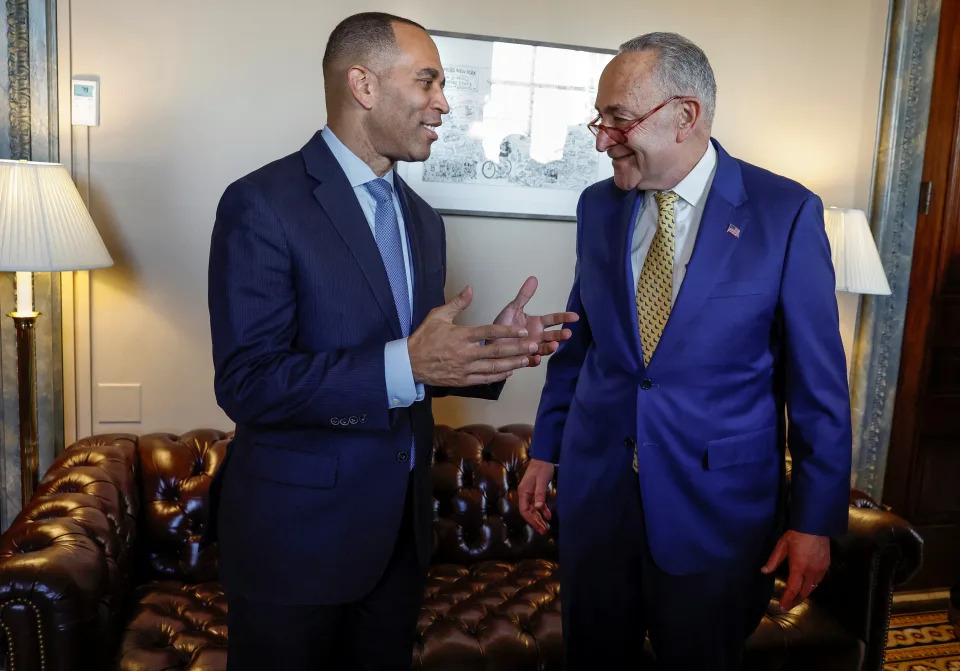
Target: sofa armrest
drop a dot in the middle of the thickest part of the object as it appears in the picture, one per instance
(879, 552)
(65, 560)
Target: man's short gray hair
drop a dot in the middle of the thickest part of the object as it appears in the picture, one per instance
(682, 68)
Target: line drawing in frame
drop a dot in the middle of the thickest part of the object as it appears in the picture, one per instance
(515, 143)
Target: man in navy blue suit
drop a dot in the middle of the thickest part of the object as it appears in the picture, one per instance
(330, 336)
(707, 318)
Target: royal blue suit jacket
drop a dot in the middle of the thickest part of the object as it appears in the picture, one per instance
(753, 331)
(308, 503)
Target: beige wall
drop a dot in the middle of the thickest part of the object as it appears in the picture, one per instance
(195, 94)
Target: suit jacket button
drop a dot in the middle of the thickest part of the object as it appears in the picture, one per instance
(335, 421)
(353, 419)
(363, 419)
(646, 384)
(402, 456)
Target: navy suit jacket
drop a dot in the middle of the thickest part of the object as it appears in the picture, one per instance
(308, 503)
(754, 330)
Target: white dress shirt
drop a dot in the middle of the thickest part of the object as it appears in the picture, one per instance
(693, 190)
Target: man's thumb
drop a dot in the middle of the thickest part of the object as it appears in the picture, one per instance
(459, 303)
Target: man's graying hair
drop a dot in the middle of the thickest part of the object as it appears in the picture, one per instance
(682, 68)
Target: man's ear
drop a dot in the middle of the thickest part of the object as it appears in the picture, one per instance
(690, 111)
(363, 85)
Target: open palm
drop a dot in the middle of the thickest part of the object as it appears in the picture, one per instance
(514, 314)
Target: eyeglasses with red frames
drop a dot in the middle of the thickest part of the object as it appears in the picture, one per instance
(619, 133)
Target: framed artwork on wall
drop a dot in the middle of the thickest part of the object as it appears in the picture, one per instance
(515, 143)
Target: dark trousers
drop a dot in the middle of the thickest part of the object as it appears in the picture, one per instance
(612, 599)
(375, 633)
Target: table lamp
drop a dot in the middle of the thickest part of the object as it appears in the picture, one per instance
(855, 257)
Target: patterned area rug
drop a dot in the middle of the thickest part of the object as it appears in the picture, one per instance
(922, 642)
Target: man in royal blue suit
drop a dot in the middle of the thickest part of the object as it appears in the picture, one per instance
(330, 336)
(706, 299)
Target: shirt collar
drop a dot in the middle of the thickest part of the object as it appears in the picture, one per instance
(696, 185)
(358, 173)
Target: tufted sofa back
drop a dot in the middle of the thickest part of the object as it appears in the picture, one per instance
(159, 483)
(175, 476)
(475, 473)
(476, 470)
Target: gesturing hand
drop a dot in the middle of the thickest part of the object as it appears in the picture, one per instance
(446, 355)
(514, 314)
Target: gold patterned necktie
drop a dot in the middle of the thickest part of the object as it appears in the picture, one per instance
(655, 286)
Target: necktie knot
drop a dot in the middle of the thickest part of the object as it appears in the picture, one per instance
(380, 189)
(666, 199)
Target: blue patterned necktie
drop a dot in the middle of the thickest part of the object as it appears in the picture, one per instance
(387, 233)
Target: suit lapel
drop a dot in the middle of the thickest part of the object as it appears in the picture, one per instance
(337, 199)
(711, 252)
(625, 217)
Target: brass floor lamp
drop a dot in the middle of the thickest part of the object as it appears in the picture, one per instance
(44, 227)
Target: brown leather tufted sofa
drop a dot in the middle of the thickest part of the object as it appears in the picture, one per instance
(103, 570)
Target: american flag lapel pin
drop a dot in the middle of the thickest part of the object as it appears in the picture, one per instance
(733, 230)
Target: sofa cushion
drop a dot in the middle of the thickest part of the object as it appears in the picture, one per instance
(490, 615)
(176, 626)
(497, 615)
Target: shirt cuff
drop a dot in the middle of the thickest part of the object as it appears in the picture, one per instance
(402, 391)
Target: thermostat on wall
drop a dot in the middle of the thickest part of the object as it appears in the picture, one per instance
(86, 101)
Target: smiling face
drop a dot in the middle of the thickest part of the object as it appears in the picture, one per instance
(410, 101)
(627, 91)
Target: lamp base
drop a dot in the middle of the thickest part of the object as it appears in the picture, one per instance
(27, 391)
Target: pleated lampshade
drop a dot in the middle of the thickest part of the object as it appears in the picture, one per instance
(44, 225)
(855, 257)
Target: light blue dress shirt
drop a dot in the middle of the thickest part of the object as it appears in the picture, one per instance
(402, 391)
